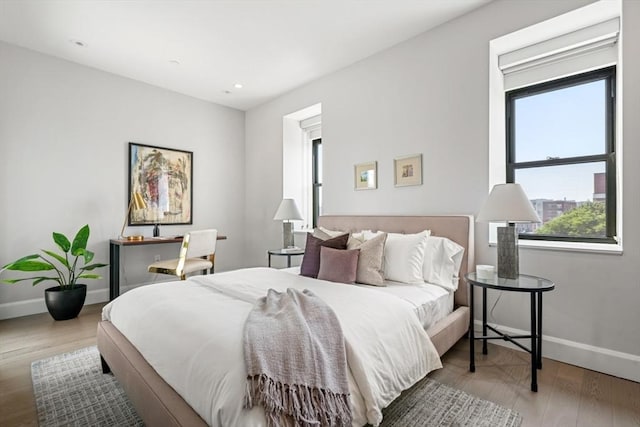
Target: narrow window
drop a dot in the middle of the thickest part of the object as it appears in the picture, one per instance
(316, 180)
(561, 149)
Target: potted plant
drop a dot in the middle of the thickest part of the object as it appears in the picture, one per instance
(65, 300)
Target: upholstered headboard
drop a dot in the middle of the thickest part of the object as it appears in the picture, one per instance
(458, 228)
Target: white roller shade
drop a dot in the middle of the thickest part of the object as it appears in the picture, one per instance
(579, 51)
(313, 127)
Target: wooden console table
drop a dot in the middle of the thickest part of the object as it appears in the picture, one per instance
(114, 257)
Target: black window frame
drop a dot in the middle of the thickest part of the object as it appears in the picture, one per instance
(315, 181)
(607, 74)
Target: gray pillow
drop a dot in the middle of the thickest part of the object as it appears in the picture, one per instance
(338, 265)
(370, 262)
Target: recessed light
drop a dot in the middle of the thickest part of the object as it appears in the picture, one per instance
(78, 43)
(174, 62)
(238, 86)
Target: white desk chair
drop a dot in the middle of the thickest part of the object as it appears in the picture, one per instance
(198, 252)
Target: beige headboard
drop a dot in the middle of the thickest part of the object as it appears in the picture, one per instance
(458, 228)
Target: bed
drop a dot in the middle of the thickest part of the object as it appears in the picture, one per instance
(159, 404)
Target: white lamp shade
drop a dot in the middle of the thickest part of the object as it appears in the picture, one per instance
(288, 210)
(507, 202)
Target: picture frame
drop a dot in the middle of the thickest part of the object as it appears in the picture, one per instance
(164, 178)
(407, 170)
(366, 176)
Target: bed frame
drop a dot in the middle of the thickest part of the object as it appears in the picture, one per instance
(158, 404)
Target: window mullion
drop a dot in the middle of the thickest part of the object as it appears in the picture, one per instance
(564, 161)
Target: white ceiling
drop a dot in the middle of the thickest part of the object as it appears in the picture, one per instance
(269, 46)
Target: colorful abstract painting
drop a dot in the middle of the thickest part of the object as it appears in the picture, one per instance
(163, 176)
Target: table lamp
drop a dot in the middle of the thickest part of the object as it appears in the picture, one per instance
(507, 203)
(287, 211)
(137, 202)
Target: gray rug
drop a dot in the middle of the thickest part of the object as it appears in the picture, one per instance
(70, 390)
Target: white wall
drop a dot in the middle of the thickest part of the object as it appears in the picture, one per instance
(64, 133)
(430, 95)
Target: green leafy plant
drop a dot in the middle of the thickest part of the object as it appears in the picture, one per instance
(66, 266)
(587, 220)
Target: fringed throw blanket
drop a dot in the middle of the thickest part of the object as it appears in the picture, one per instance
(296, 363)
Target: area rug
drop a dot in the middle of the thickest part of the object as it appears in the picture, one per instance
(71, 390)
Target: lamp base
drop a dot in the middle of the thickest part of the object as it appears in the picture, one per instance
(508, 252)
(287, 234)
(136, 238)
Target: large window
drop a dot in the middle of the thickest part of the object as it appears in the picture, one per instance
(316, 180)
(561, 149)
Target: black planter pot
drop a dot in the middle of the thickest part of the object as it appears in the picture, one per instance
(65, 304)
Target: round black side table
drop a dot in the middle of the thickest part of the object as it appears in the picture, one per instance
(535, 286)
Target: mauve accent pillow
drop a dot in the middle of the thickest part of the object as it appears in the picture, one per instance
(311, 259)
(338, 265)
(370, 261)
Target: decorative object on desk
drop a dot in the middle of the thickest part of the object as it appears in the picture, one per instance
(197, 252)
(485, 271)
(65, 300)
(164, 177)
(507, 203)
(407, 170)
(136, 202)
(366, 176)
(287, 212)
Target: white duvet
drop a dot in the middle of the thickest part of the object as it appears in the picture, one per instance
(190, 332)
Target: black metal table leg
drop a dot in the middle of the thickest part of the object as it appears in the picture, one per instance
(114, 271)
(484, 321)
(472, 365)
(534, 341)
(539, 330)
(269, 260)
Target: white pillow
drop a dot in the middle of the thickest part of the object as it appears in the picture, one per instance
(442, 259)
(368, 234)
(355, 238)
(332, 233)
(404, 257)
(325, 233)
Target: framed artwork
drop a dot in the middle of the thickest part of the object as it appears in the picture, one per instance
(366, 176)
(164, 179)
(407, 170)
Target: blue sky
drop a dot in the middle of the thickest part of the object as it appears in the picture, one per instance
(563, 123)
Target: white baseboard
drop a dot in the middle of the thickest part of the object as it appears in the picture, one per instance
(10, 310)
(616, 363)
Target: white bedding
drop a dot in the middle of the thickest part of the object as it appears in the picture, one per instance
(430, 302)
(190, 332)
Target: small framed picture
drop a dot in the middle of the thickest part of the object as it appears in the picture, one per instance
(408, 170)
(366, 176)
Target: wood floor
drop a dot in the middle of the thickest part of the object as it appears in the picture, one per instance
(568, 395)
